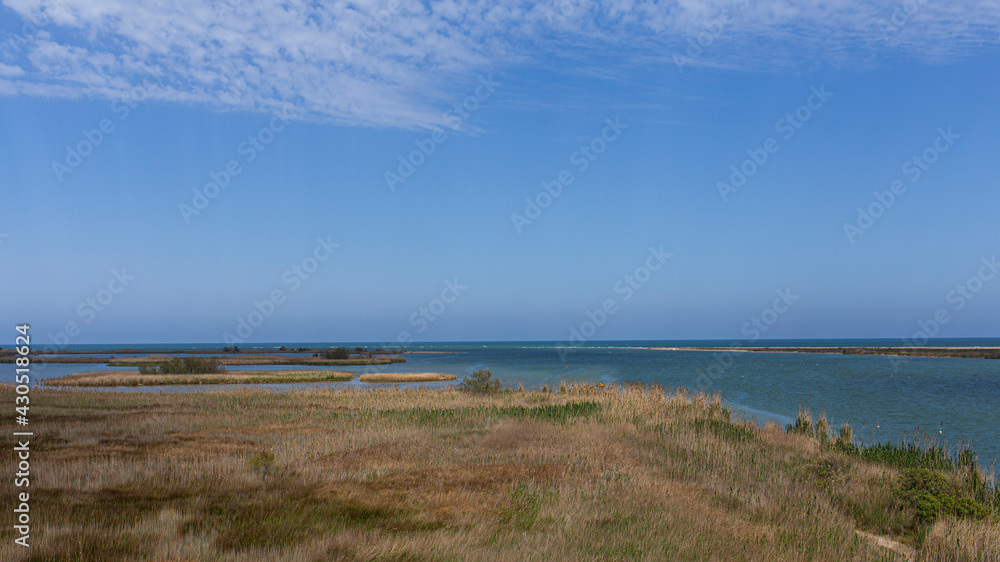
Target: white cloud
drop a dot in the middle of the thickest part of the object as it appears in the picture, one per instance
(10, 70)
(396, 64)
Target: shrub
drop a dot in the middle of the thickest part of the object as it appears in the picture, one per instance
(932, 494)
(339, 353)
(263, 462)
(803, 423)
(185, 366)
(480, 382)
(845, 439)
(362, 352)
(823, 429)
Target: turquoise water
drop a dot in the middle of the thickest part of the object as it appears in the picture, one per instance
(953, 399)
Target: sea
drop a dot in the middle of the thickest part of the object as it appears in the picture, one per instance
(952, 400)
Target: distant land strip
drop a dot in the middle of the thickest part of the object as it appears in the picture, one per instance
(960, 352)
(220, 351)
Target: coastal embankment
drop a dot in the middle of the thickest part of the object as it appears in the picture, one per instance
(578, 472)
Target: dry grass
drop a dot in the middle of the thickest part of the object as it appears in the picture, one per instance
(134, 378)
(962, 540)
(589, 473)
(406, 377)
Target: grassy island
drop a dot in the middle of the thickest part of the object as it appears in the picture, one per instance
(137, 378)
(406, 377)
(228, 360)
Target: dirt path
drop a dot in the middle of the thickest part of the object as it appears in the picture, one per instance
(906, 552)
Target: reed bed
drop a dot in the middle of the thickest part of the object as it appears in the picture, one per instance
(406, 377)
(614, 473)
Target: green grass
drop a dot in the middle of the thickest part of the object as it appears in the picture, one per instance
(290, 515)
(557, 413)
(933, 482)
(726, 430)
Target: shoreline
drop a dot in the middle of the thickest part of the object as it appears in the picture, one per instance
(927, 351)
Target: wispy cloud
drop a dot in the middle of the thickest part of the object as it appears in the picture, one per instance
(387, 63)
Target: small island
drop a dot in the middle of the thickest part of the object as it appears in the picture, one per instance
(136, 378)
(324, 357)
(405, 377)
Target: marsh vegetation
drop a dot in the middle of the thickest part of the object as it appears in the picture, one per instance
(137, 378)
(623, 473)
(405, 377)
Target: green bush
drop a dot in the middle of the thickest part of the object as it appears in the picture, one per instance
(185, 366)
(264, 462)
(933, 495)
(339, 353)
(480, 382)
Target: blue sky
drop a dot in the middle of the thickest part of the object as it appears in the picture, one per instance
(185, 91)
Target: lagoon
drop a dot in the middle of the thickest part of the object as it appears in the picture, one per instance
(952, 399)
